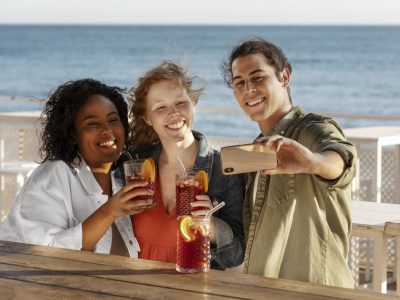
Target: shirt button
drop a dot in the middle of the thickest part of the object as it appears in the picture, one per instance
(130, 242)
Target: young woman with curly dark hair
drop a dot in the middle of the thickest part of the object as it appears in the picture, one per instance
(71, 199)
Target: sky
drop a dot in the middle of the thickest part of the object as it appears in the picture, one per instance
(216, 12)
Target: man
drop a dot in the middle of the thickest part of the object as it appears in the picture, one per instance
(297, 216)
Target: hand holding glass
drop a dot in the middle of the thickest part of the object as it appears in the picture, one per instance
(141, 170)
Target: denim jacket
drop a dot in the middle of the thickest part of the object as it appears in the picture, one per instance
(229, 234)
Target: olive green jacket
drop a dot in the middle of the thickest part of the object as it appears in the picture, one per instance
(299, 225)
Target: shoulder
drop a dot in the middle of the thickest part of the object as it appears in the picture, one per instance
(321, 127)
(50, 168)
(308, 127)
(50, 171)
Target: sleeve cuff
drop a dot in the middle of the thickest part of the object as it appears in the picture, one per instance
(70, 238)
(348, 172)
(223, 233)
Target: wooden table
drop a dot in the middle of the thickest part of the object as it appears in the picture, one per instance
(37, 272)
(377, 137)
(369, 219)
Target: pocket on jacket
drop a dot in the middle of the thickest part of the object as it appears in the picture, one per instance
(281, 190)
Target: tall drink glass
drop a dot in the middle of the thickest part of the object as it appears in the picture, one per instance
(133, 173)
(193, 256)
(187, 188)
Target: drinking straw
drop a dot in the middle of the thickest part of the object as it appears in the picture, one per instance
(129, 156)
(182, 165)
(214, 209)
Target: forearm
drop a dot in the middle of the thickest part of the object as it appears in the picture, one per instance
(328, 165)
(94, 227)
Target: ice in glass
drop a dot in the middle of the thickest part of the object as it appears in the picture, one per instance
(187, 188)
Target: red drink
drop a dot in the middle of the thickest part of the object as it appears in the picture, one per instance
(150, 186)
(194, 256)
(136, 171)
(187, 189)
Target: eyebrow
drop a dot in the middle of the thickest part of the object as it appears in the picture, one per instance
(251, 73)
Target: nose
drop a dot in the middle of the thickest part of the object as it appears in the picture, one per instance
(173, 111)
(250, 87)
(105, 128)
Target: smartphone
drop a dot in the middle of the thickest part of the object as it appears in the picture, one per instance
(246, 158)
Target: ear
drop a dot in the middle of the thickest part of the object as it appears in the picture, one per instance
(148, 122)
(285, 77)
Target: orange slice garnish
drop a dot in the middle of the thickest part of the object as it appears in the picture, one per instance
(202, 177)
(184, 224)
(149, 169)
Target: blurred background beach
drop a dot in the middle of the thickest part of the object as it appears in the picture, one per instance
(336, 69)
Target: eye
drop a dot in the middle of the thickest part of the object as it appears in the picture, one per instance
(238, 83)
(181, 103)
(160, 108)
(258, 78)
(93, 124)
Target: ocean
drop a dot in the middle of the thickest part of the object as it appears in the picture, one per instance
(336, 69)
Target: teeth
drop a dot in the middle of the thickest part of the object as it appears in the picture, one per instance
(107, 144)
(254, 102)
(175, 125)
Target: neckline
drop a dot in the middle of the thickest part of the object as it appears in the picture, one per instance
(158, 191)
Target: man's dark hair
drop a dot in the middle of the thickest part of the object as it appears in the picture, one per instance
(273, 54)
(59, 114)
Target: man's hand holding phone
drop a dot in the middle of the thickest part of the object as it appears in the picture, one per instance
(247, 158)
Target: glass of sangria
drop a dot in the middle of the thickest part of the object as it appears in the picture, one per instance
(141, 170)
(193, 245)
(188, 186)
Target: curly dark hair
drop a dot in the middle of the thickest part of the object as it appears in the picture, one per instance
(272, 53)
(59, 114)
(141, 133)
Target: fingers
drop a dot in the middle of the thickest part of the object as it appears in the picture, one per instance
(201, 206)
(137, 206)
(199, 213)
(277, 170)
(134, 185)
(273, 142)
(141, 192)
(199, 203)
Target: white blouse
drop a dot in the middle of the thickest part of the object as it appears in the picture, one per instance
(51, 206)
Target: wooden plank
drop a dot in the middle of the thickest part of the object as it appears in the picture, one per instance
(92, 284)
(83, 256)
(393, 228)
(17, 289)
(124, 282)
(214, 282)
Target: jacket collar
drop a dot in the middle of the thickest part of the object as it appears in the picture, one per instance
(204, 158)
(284, 123)
(89, 182)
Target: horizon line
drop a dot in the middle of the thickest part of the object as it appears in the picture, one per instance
(208, 24)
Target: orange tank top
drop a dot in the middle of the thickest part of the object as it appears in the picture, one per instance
(156, 231)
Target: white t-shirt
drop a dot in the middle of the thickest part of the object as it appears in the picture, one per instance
(51, 206)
